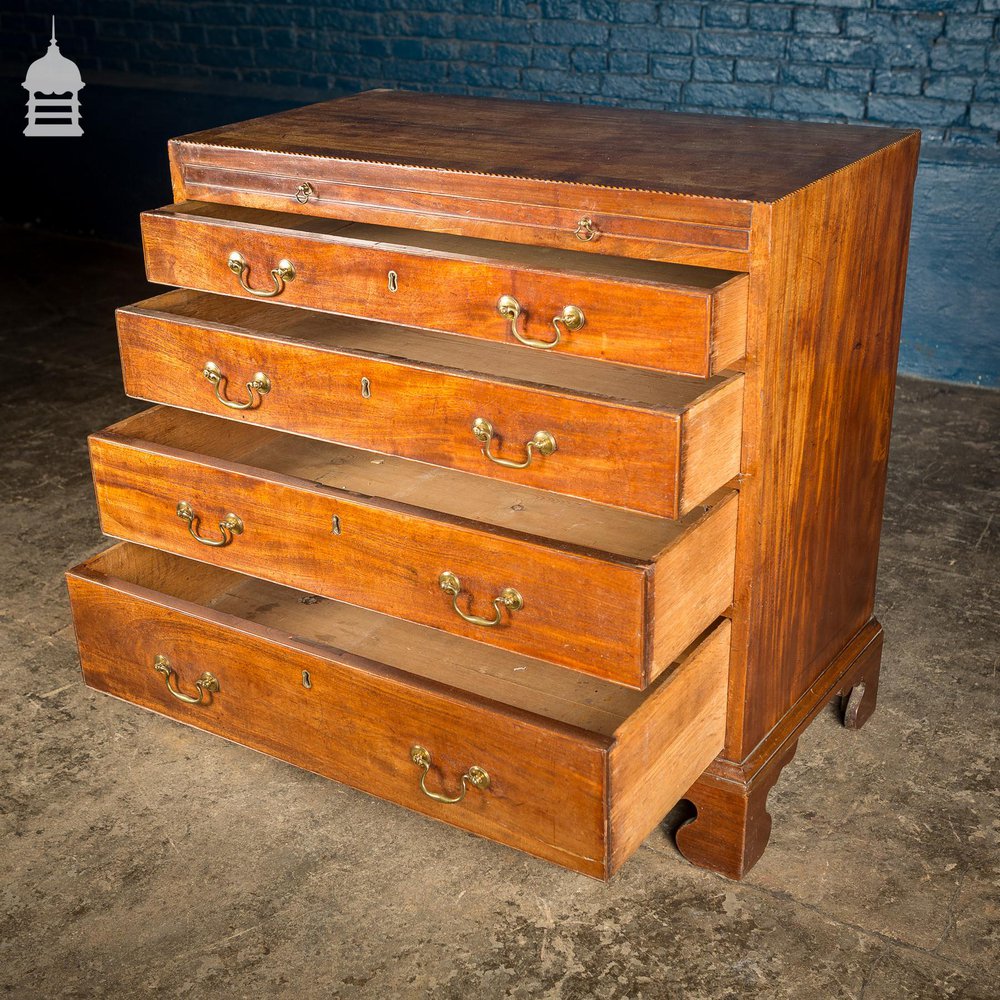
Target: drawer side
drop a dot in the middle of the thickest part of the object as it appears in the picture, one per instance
(664, 746)
(711, 444)
(692, 584)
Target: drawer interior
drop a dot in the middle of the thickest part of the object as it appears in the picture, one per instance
(507, 678)
(629, 269)
(550, 516)
(500, 362)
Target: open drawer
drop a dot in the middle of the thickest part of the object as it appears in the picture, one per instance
(669, 317)
(643, 440)
(565, 767)
(608, 592)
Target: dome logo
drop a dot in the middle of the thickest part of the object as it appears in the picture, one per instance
(53, 84)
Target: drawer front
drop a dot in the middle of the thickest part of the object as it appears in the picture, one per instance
(695, 331)
(461, 166)
(356, 722)
(655, 226)
(606, 451)
(577, 610)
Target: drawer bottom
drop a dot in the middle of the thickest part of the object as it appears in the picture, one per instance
(563, 766)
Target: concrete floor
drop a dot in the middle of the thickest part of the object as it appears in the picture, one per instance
(139, 858)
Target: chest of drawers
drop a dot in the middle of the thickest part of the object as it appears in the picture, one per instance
(520, 464)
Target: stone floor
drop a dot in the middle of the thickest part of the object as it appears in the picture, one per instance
(139, 858)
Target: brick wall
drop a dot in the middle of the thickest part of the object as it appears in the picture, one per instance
(929, 63)
(159, 68)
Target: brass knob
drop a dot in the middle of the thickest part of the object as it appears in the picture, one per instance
(586, 231)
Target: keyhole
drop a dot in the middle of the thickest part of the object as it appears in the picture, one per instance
(393, 281)
(306, 679)
(336, 524)
(366, 388)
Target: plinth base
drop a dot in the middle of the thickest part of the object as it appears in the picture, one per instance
(732, 826)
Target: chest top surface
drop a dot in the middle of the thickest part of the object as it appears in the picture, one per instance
(707, 156)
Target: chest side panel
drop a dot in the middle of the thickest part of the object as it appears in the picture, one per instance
(825, 314)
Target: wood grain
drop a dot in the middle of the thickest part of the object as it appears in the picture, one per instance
(630, 223)
(729, 327)
(858, 662)
(619, 431)
(355, 724)
(732, 826)
(711, 442)
(705, 155)
(560, 520)
(673, 601)
(826, 307)
(584, 609)
(520, 682)
(549, 792)
(642, 313)
(820, 375)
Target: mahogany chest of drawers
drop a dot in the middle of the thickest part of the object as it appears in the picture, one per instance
(522, 464)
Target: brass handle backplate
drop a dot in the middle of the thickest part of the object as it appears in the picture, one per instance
(586, 231)
(571, 318)
(543, 443)
(230, 526)
(207, 684)
(279, 275)
(304, 192)
(260, 384)
(475, 776)
(508, 598)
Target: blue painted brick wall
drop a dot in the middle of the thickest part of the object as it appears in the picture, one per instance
(931, 63)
